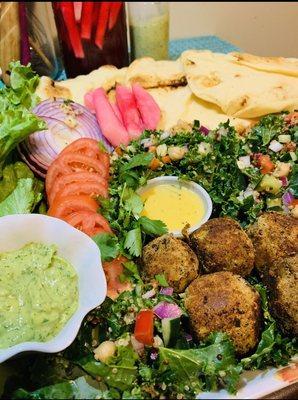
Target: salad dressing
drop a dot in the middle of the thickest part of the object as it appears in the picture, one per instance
(175, 205)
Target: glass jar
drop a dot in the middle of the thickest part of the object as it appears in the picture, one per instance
(149, 29)
(91, 34)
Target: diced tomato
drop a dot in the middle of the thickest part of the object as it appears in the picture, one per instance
(166, 159)
(144, 327)
(154, 164)
(294, 203)
(80, 187)
(63, 206)
(265, 164)
(74, 177)
(113, 270)
(88, 222)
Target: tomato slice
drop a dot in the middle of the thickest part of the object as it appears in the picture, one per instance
(144, 327)
(89, 188)
(113, 270)
(79, 162)
(63, 206)
(56, 169)
(89, 148)
(265, 164)
(75, 177)
(88, 222)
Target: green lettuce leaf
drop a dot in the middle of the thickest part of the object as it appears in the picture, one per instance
(16, 121)
(22, 200)
(121, 371)
(205, 367)
(76, 389)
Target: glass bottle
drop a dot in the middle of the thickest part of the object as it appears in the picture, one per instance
(149, 29)
(91, 34)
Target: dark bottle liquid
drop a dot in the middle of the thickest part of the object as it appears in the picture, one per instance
(91, 37)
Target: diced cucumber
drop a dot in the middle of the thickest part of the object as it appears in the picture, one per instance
(270, 184)
(293, 156)
(272, 203)
(284, 138)
(170, 331)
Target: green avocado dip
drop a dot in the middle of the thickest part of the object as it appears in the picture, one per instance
(38, 294)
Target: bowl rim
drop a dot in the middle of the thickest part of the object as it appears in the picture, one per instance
(191, 185)
(69, 331)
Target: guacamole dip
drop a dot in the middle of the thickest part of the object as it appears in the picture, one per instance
(38, 294)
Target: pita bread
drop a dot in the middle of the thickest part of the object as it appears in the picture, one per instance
(238, 90)
(179, 104)
(152, 74)
(75, 89)
(281, 65)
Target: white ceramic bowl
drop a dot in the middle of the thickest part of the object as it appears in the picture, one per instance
(73, 245)
(174, 180)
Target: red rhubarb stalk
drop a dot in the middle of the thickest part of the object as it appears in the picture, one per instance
(114, 12)
(86, 24)
(103, 20)
(72, 29)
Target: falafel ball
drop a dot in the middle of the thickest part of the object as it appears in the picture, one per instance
(282, 282)
(274, 237)
(172, 257)
(222, 245)
(225, 302)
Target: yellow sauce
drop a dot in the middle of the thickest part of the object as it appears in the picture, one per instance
(175, 205)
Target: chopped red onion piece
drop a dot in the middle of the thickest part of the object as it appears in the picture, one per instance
(168, 291)
(153, 355)
(284, 181)
(275, 146)
(149, 294)
(287, 198)
(188, 337)
(205, 131)
(167, 310)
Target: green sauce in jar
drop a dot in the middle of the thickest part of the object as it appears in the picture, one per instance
(150, 37)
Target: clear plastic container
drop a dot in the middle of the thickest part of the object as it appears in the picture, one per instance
(149, 29)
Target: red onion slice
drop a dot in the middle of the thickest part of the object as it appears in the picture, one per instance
(66, 122)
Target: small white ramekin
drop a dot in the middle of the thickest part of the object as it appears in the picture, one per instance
(174, 180)
(73, 245)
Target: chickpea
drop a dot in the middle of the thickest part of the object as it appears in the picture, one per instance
(282, 169)
(104, 351)
(176, 153)
(161, 150)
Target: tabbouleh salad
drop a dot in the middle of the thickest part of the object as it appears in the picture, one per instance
(243, 177)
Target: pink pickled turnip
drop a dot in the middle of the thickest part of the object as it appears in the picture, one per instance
(88, 101)
(117, 112)
(147, 106)
(129, 111)
(111, 127)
